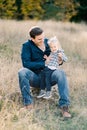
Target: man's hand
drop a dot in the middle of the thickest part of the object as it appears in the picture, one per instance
(60, 59)
(47, 59)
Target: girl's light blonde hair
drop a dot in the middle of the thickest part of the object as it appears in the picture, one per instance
(54, 40)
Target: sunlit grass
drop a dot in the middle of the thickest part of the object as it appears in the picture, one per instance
(46, 115)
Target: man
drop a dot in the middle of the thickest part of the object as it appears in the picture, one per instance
(33, 61)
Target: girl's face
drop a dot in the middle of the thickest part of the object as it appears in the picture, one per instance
(53, 47)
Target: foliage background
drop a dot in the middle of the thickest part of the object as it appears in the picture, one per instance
(63, 10)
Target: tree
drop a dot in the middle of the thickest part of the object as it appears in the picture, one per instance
(67, 8)
(7, 8)
(18, 13)
(31, 9)
(82, 11)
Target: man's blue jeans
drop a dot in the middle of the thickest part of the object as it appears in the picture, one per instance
(28, 78)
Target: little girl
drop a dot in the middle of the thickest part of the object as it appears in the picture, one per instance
(51, 64)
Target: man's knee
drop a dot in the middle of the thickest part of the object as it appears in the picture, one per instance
(58, 74)
(22, 72)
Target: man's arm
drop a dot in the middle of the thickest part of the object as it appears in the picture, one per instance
(27, 60)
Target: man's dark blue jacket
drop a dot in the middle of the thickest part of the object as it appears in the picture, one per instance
(33, 57)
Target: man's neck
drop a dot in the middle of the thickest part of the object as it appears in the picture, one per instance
(42, 47)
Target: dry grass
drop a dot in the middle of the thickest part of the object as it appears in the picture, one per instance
(46, 115)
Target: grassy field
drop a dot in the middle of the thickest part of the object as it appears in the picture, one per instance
(46, 115)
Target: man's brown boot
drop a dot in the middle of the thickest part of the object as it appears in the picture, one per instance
(65, 112)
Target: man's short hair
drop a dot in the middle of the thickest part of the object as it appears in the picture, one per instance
(35, 31)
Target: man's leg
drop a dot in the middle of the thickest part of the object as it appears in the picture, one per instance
(59, 77)
(26, 79)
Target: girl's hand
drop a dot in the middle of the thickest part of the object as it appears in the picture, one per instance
(60, 59)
